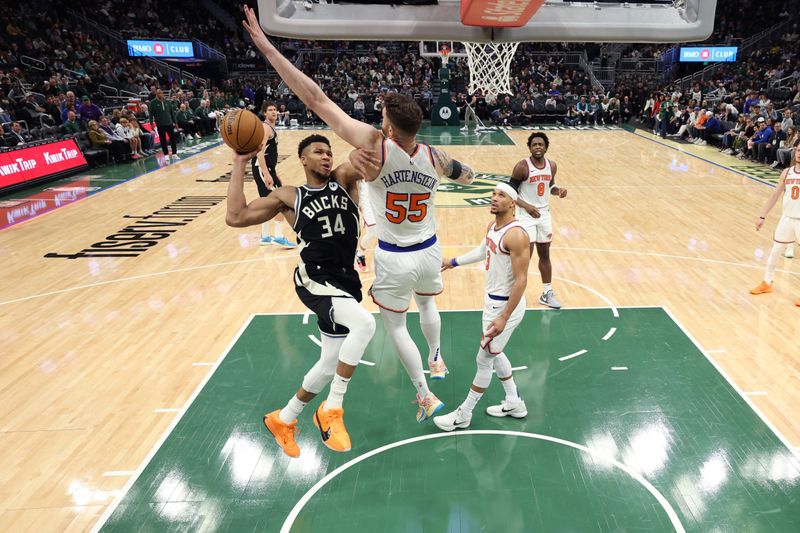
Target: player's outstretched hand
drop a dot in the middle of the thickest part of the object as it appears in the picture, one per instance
(254, 29)
(759, 223)
(562, 192)
(447, 264)
(495, 328)
(365, 162)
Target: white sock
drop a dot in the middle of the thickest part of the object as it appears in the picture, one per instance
(336, 392)
(547, 287)
(292, 410)
(431, 325)
(278, 228)
(265, 230)
(511, 389)
(772, 261)
(470, 402)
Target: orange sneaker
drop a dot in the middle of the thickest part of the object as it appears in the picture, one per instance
(762, 288)
(331, 428)
(283, 433)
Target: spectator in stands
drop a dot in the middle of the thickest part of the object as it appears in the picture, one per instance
(626, 109)
(572, 118)
(665, 115)
(206, 117)
(145, 136)
(89, 111)
(713, 126)
(358, 108)
(583, 110)
(787, 121)
(761, 137)
(283, 116)
(17, 136)
(730, 136)
(186, 121)
(100, 140)
(768, 151)
(784, 153)
(125, 131)
(51, 108)
(72, 125)
(114, 136)
(163, 115)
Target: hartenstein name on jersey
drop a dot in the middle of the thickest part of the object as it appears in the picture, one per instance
(325, 203)
(409, 176)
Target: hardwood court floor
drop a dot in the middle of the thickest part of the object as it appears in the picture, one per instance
(99, 353)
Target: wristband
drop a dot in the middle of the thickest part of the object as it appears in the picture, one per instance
(453, 262)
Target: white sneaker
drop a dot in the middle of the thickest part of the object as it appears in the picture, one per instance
(451, 421)
(515, 409)
(175, 158)
(549, 299)
(775, 164)
(196, 135)
(789, 253)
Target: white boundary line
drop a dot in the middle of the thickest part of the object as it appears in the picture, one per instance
(365, 362)
(149, 457)
(613, 307)
(572, 355)
(673, 516)
(794, 451)
(619, 368)
(609, 334)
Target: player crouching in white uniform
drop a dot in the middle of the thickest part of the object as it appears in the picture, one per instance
(507, 255)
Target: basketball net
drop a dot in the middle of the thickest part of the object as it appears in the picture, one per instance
(490, 67)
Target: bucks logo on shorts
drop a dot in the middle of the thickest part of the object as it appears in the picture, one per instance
(477, 194)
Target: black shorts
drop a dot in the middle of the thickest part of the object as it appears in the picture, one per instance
(313, 287)
(263, 190)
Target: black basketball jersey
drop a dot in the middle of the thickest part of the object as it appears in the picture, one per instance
(271, 151)
(326, 223)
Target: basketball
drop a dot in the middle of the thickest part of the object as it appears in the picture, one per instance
(242, 131)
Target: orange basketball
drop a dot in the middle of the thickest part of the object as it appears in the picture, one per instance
(242, 131)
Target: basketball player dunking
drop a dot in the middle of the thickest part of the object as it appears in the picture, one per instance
(507, 254)
(324, 213)
(788, 229)
(535, 179)
(402, 186)
(266, 177)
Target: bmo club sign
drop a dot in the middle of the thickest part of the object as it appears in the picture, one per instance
(42, 161)
(160, 48)
(709, 54)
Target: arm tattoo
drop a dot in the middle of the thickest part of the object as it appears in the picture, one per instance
(448, 165)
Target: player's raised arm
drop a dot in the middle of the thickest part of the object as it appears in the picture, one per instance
(518, 177)
(241, 214)
(451, 168)
(355, 132)
(773, 198)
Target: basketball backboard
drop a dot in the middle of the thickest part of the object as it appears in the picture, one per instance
(556, 21)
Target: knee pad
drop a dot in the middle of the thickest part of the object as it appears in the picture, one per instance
(357, 340)
(319, 376)
(502, 366)
(483, 376)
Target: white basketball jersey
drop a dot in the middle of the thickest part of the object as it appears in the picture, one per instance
(499, 274)
(402, 196)
(791, 196)
(536, 189)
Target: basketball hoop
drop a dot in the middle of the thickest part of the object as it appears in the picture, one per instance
(490, 67)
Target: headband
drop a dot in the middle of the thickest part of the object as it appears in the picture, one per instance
(508, 189)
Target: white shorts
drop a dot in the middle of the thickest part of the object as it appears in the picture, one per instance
(491, 310)
(539, 229)
(788, 230)
(399, 274)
